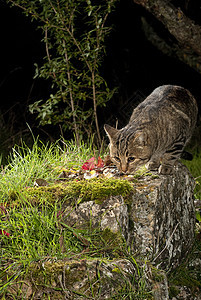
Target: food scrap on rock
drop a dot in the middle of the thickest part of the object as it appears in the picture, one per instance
(93, 168)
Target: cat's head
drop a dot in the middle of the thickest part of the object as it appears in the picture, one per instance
(129, 149)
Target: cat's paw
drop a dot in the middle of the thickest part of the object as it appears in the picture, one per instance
(152, 166)
(165, 170)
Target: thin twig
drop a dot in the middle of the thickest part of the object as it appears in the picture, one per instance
(47, 51)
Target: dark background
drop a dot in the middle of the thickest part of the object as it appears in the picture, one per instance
(132, 64)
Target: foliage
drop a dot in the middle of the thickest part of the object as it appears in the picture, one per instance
(74, 35)
(34, 234)
(194, 167)
(188, 274)
(41, 161)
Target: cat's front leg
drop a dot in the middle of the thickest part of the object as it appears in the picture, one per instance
(166, 169)
(153, 164)
(167, 164)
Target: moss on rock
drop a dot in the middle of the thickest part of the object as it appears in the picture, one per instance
(84, 190)
(74, 279)
(111, 244)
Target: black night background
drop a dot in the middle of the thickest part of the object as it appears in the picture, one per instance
(132, 64)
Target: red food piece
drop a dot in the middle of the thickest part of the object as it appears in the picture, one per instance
(91, 164)
(100, 163)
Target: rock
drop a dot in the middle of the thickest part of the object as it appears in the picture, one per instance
(91, 279)
(163, 216)
(25, 288)
(159, 283)
(157, 219)
(111, 213)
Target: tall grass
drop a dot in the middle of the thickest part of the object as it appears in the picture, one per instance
(44, 161)
(29, 233)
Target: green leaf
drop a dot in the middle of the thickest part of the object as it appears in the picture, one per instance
(198, 216)
(75, 49)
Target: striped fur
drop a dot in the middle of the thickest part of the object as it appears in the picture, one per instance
(157, 132)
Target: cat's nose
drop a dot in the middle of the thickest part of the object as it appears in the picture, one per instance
(124, 168)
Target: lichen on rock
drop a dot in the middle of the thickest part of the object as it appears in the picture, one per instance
(156, 218)
(162, 212)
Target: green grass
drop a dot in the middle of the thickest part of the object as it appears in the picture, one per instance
(188, 274)
(35, 234)
(42, 161)
(194, 167)
(38, 232)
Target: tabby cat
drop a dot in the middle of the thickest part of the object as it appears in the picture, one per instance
(157, 132)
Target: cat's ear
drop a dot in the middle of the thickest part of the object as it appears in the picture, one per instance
(111, 131)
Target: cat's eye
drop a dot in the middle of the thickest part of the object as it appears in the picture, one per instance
(117, 158)
(131, 159)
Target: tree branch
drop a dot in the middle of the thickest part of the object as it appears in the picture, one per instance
(47, 51)
(194, 61)
(187, 33)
